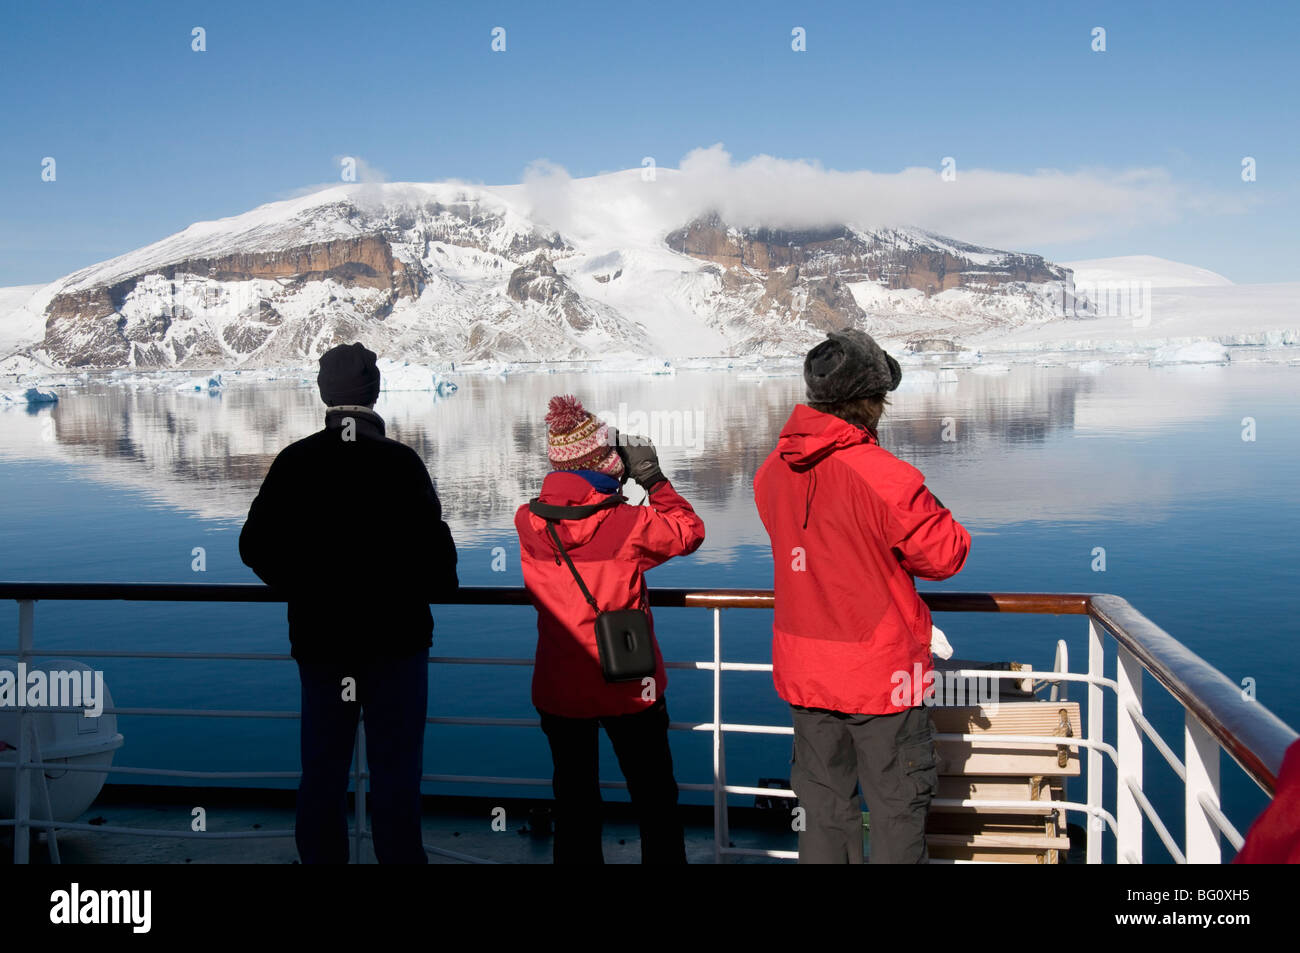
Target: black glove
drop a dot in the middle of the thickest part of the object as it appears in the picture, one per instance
(640, 461)
(616, 441)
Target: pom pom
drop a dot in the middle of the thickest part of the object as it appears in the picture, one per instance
(564, 414)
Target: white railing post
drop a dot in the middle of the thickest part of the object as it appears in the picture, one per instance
(22, 782)
(1096, 669)
(720, 834)
(22, 796)
(1202, 760)
(1128, 743)
(51, 835)
(359, 798)
(1061, 690)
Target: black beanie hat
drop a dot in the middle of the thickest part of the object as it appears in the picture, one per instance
(848, 365)
(348, 375)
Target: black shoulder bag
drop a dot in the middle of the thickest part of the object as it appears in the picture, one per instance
(623, 639)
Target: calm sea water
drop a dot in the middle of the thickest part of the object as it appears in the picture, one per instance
(1045, 465)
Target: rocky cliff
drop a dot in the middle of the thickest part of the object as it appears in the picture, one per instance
(458, 272)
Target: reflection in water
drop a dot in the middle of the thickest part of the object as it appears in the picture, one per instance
(979, 439)
(1043, 463)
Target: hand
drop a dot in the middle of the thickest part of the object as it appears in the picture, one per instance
(616, 441)
(640, 461)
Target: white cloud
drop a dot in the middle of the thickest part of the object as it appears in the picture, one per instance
(1014, 210)
(1010, 210)
(363, 174)
(549, 193)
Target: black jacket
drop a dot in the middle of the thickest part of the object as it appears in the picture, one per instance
(350, 531)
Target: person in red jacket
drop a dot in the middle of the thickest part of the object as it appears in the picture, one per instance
(1274, 838)
(611, 545)
(851, 525)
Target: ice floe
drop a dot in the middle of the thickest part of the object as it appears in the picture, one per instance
(399, 376)
(209, 385)
(1201, 352)
(32, 395)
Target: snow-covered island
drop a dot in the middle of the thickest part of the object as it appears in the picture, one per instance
(447, 278)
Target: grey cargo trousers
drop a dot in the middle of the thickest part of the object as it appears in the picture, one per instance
(892, 756)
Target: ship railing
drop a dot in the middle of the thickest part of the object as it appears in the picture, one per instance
(1219, 716)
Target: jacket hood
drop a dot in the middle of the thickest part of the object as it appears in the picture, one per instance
(810, 436)
(365, 419)
(574, 488)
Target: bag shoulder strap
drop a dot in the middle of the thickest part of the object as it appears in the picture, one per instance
(549, 511)
(550, 528)
(552, 513)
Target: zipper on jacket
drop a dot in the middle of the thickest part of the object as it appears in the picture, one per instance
(812, 488)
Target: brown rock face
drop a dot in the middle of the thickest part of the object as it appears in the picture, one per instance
(825, 303)
(898, 260)
(539, 281)
(367, 262)
(790, 271)
(78, 331)
(796, 282)
(760, 249)
(364, 261)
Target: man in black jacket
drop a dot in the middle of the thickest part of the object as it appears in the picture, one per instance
(348, 528)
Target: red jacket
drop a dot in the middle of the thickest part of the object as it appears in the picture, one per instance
(612, 549)
(851, 524)
(1274, 838)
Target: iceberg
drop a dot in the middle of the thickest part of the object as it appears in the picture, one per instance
(919, 380)
(1201, 352)
(394, 376)
(403, 376)
(31, 395)
(200, 384)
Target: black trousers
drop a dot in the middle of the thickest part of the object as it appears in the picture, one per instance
(891, 756)
(641, 745)
(394, 695)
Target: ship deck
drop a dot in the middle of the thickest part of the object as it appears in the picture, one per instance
(1025, 780)
(456, 825)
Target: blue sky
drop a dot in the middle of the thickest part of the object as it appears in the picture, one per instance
(150, 136)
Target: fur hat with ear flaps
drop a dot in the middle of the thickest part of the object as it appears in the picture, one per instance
(848, 365)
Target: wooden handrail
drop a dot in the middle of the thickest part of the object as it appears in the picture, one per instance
(1254, 737)
(1018, 602)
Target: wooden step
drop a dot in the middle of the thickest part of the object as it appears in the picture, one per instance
(1005, 758)
(1026, 841)
(944, 823)
(962, 787)
(990, 855)
(1045, 842)
(1032, 835)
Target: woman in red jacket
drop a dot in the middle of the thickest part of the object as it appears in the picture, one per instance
(851, 525)
(581, 517)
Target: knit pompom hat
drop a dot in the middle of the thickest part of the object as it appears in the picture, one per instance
(577, 440)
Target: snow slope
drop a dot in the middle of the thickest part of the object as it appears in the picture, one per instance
(1159, 272)
(20, 325)
(1227, 314)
